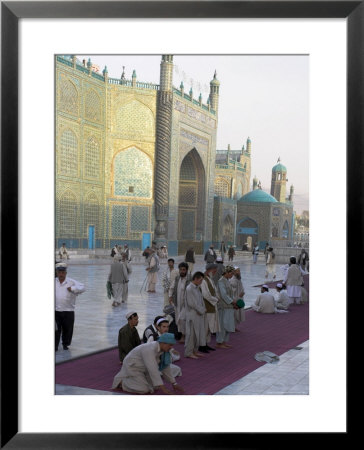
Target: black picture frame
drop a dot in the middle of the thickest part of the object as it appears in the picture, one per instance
(11, 12)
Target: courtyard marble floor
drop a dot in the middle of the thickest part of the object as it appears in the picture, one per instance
(97, 324)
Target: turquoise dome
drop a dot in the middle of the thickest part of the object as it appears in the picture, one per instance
(258, 196)
(279, 168)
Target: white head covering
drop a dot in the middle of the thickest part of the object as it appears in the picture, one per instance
(163, 319)
(279, 285)
(61, 266)
(129, 314)
(265, 286)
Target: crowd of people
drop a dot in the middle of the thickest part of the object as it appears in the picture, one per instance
(196, 306)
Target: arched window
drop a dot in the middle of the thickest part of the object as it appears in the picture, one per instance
(68, 97)
(133, 174)
(222, 188)
(135, 119)
(68, 154)
(67, 217)
(92, 106)
(92, 158)
(285, 230)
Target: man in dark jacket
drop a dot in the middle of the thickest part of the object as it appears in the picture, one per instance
(128, 336)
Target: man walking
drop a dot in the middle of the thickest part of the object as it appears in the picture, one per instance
(190, 259)
(231, 253)
(119, 279)
(153, 268)
(67, 290)
(210, 255)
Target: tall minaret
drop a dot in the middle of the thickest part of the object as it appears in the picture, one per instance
(163, 148)
(248, 145)
(214, 93)
(291, 191)
(279, 181)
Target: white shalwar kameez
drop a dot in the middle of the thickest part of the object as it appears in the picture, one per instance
(180, 309)
(175, 356)
(195, 320)
(226, 311)
(238, 292)
(140, 373)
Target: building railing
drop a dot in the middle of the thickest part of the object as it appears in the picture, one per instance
(101, 77)
(194, 101)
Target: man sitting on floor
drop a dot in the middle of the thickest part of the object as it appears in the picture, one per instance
(282, 299)
(128, 335)
(265, 302)
(144, 367)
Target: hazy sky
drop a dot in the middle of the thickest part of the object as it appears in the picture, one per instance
(261, 97)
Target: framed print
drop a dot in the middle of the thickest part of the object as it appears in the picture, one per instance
(24, 273)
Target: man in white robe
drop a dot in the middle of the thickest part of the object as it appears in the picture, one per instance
(119, 273)
(282, 299)
(195, 318)
(153, 268)
(210, 297)
(168, 277)
(238, 292)
(293, 280)
(145, 367)
(63, 253)
(265, 302)
(177, 294)
(226, 308)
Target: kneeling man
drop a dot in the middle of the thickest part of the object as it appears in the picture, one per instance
(144, 367)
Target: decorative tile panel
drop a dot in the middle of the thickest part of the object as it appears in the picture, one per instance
(133, 174)
(119, 221)
(68, 157)
(139, 220)
(93, 106)
(92, 158)
(68, 97)
(135, 120)
(68, 215)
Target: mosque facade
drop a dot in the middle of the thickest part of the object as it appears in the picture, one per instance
(265, 218)
(137, 162)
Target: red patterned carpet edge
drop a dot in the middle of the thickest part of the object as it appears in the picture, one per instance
(277, 333)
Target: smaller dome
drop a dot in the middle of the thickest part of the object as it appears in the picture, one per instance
(258, 196)
(279, 168)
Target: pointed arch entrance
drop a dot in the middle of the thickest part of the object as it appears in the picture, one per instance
(228, 230)
(247, 233)
(191, 203)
